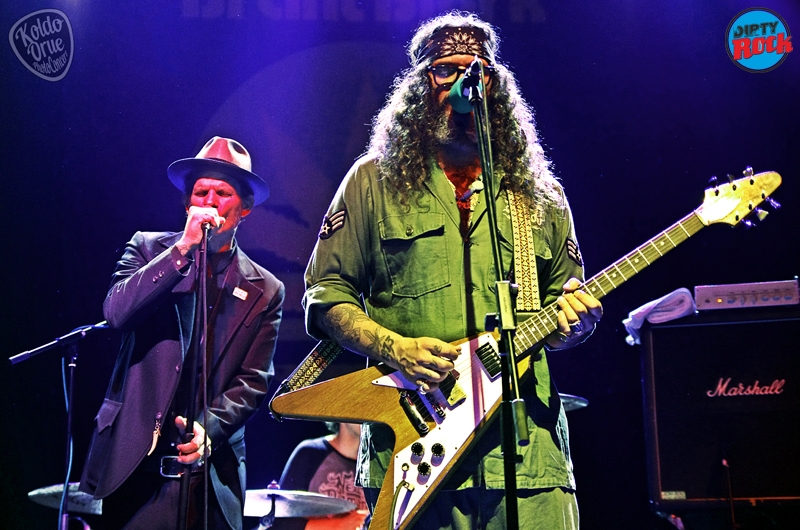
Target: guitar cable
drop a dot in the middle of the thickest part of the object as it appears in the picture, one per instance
(402, 484)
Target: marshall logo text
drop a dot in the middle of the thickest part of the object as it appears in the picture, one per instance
(756, 389)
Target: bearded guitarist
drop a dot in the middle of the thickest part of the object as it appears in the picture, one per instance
(403, 266)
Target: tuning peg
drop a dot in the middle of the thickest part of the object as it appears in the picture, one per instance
(713, 181)
(731, 178)
(772, 202)
(761, 214)
(748, 223)
(748, 171)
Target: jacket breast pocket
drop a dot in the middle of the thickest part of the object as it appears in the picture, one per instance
(415, 252)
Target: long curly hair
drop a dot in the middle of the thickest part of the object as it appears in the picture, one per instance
(403, 144)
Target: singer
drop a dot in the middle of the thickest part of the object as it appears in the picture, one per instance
(137, 455)
(403, 266)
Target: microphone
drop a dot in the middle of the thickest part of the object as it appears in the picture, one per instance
(208, 226)
(461, 89)
(475, 187)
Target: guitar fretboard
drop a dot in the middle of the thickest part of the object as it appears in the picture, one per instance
(541, 324)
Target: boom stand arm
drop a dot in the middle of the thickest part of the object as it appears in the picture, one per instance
(70, 343)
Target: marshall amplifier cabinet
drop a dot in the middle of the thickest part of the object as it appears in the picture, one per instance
(722, 408)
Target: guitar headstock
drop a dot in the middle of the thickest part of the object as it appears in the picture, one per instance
(731, 202)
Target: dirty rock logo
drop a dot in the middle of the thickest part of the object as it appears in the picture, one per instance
(43, 42)
(758, 40)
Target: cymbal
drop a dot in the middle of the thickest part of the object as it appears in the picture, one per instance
(77, 501)
(573, 402)
(258, 503)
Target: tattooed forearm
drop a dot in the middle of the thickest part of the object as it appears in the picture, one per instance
(379, 346)
(350, 326)
(341, 322)
(386, 348)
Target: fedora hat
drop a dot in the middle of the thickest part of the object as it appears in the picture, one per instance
(219, 156)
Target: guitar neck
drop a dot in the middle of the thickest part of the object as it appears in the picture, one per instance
(533, 330)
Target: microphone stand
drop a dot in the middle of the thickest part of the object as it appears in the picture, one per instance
(198, 342)
(514, 426)
(70, 342)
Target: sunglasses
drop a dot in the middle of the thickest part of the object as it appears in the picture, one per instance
(444, 75)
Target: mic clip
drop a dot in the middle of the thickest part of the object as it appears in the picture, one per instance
(472, 76)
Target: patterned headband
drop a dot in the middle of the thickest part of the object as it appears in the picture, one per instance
(449, 41)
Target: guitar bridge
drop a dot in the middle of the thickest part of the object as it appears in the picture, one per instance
(435, 406)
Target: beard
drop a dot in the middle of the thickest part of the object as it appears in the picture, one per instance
(449, 128)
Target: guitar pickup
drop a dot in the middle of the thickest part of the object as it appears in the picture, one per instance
(490, 359)
(413, 413)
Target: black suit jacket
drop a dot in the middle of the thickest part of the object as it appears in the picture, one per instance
(152, 301)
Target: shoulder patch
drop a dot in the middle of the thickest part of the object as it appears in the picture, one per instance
(332, 223)
(574, 252)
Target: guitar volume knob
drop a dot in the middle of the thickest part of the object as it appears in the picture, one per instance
(437, 450)
(417, 449)
(424, 469)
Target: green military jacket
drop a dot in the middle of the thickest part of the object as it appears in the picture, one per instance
(414, 273)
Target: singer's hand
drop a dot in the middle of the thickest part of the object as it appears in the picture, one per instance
(195, 450)
(196, 217)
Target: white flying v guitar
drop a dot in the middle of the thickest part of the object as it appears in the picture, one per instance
(433, 430)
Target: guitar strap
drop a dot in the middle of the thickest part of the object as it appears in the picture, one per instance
(524, 252)
(307, 373)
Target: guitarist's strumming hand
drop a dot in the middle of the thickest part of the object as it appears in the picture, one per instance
(578, 313)
(425, 361)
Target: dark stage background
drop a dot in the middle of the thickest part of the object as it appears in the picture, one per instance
(637, 102)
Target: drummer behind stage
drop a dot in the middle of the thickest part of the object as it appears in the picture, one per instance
(326, 465)
(136, 454)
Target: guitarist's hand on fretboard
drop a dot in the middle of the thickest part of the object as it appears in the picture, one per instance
(578, 313)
